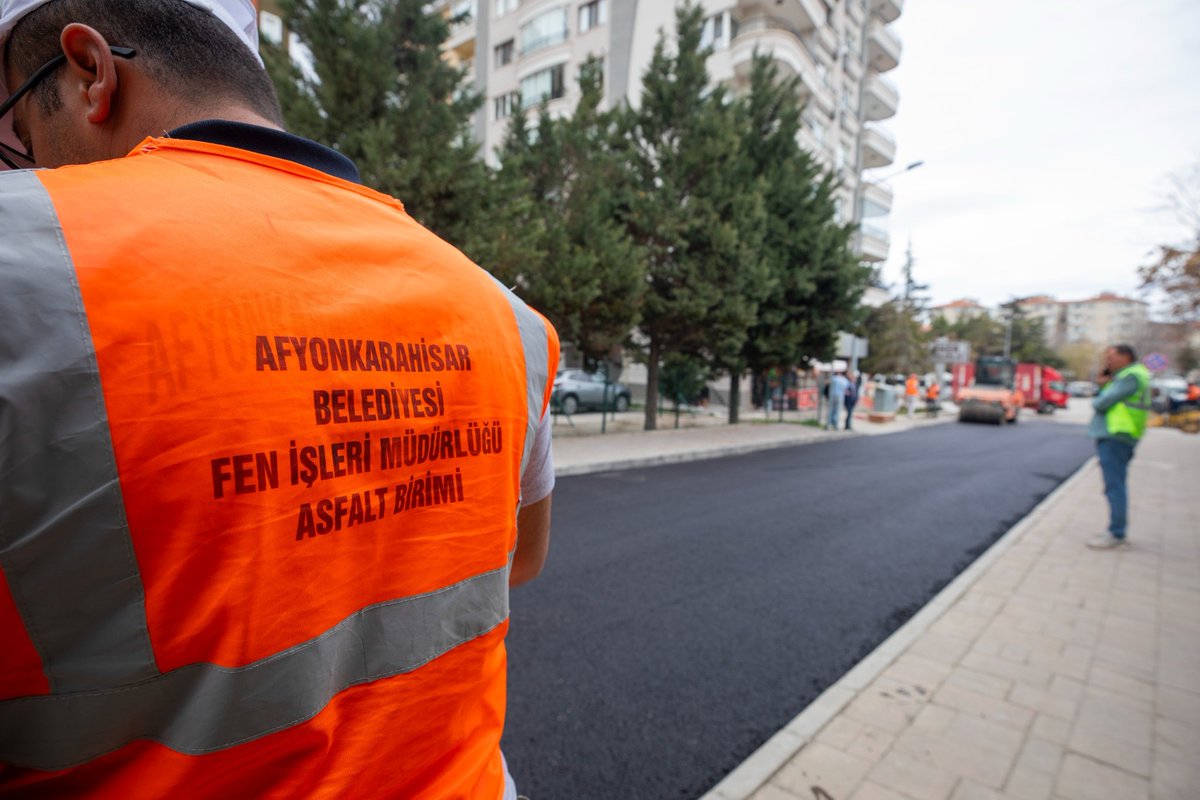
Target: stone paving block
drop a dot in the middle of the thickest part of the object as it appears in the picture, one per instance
(1030, 784)
(1044, 701)
(817, 765)
(1179, 740)
(840, 732)
(1084, 779)
(871, 743)
(986, 734)
(941, 648)
(1113, 715)
(934, 718)
(1108, 749)
(981, 682)
(1102, 677)
(873, 791)
(1029, 674)
(887, 713)
(1175, 780)
(1041, 755)
(1178, 704)
(980, 705)
(907, 775)
(956, 755)
(918, 672)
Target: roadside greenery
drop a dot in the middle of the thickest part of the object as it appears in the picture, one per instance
(691, 229)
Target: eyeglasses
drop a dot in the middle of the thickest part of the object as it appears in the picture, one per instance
(27, 86)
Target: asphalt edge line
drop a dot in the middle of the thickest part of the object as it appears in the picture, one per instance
(754, 773)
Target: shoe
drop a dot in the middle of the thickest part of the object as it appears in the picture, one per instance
(1105, 541)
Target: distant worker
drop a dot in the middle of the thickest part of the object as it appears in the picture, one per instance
(932, 394)
(271, 453)
(837, 399)
(912, 390)
(852, 390)
(1119, 422)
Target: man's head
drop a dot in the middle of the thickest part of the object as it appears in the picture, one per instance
(193, 61)
(1118, 357)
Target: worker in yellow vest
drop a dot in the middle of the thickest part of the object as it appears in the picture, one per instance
(271, 453)
(1121, 410)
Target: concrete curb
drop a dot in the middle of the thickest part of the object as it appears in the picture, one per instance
(763, 763)
(695, 455)
(720, 452)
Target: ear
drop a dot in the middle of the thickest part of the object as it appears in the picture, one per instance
(92, 70)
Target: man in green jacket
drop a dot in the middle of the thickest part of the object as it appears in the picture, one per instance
(1120, 420)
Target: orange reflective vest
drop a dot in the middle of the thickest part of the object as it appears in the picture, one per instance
(261, 439)
(912, 387)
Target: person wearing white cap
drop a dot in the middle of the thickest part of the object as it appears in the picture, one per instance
(271, 453)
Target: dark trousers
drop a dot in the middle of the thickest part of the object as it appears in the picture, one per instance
(1115, 456)
(850, 404)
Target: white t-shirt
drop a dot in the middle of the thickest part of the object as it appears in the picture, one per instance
(538, 481)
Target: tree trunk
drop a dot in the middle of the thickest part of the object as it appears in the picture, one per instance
(735, 395)
(652, 388)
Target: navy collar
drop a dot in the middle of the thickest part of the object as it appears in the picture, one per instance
(270, 142)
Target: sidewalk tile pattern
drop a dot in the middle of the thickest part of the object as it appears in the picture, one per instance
(1061, 674)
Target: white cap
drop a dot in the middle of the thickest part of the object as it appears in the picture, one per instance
(239, 15)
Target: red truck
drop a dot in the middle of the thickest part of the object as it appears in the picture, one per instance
(1043, 387)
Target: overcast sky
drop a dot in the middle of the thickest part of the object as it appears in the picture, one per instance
(1048, 129)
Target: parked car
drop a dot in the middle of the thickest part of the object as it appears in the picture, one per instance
(1166, 388)
(575, 389)
(1081, 389)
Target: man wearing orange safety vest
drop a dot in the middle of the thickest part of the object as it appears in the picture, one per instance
(271, 454)
(912, 390)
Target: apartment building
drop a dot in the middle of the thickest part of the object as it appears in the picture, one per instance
(957, 310)
(521, 52)
(1103, 319)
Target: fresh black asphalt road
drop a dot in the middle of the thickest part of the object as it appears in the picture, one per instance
(689, 611)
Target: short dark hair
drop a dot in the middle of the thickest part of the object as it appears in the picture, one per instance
(1125, 350)
(177, 43)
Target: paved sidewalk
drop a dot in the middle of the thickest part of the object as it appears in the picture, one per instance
(583, 449)
(1046, 670)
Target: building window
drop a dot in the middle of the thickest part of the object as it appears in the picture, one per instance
(506, 104)
(714, 33)
(505, 6)
(271, 27)
(544, 30)
(546, 84)
(504, 53)
(592, 15)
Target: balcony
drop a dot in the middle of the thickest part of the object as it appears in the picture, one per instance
(883, 47)
(873, 243)
(878, 147)
(887, 10)
(771, 35)
(877, 194)
(803, 15)
(461, 40)
(881, 100)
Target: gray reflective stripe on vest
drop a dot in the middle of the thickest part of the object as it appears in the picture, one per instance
(64, 542)
(536, 342)
(202, 708)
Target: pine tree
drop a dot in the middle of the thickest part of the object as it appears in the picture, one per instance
(381, 94)
(816, 280)
(696, 213)
(586, 275)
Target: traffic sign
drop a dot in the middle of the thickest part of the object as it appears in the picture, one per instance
(945, 351)
(1155, 362)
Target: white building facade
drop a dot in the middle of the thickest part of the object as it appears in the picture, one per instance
(521, 52)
